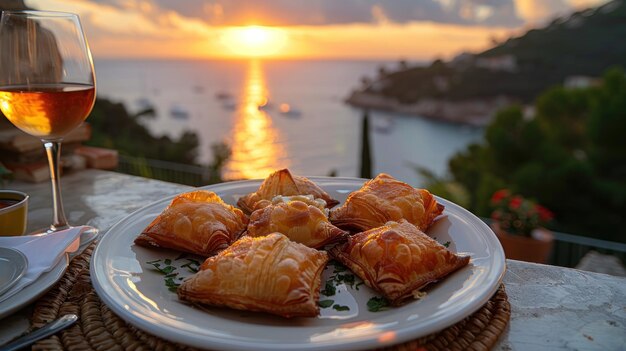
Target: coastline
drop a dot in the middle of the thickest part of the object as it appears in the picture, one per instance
(473, 112)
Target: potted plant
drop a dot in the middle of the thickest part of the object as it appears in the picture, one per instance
(519, 225)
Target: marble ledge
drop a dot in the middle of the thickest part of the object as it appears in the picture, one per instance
(94, 197)
(557, 308)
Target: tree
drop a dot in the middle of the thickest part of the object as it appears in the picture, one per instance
(113, 127)
(221, 154)
(403, 65)
(366, 157)
(571, 157)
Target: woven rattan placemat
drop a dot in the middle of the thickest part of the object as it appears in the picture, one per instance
(98, 328)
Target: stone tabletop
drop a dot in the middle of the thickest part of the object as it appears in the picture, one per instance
(553, 308)
(556, 308)
(94, 197)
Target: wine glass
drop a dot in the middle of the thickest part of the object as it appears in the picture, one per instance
(47, 83)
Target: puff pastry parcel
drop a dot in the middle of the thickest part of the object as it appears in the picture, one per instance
(268, 274)
(384, 199)
(282, 183)
(397, 259)
(298, 218)
(197, 222)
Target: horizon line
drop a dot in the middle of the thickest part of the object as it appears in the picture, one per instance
(377, 59)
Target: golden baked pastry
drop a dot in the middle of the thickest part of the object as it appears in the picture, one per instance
(296, 218)
(397, 259)
(267, 274)
(197, 222)
(384, 199)
(282, 183)
(307, 199)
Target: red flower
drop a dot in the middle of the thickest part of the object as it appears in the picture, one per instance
(517, 214)
(499, 195)
(545, 215)
(516, 202)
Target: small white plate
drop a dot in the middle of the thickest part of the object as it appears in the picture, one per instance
(135, 292)
(34, 290)
(46, 280)
(13, 265)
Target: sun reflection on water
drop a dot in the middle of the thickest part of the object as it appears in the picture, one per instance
(256, 151)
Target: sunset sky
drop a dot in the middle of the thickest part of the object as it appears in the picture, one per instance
(310, 29)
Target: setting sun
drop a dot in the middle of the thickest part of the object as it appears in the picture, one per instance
(254, 40)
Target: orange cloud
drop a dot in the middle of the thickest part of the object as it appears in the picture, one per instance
(142, 28)
(535, 12)
(421, 40)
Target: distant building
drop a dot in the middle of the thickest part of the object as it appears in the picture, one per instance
(575, 21)
(441, 83)
(497, 63)
(379, 85)
(463, 60)
(580, 82)
(528, 112)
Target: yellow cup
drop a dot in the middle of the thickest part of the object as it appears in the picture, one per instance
(13, 212)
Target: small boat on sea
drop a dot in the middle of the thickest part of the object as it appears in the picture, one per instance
(144, 107)
(226, 99)
(179, 112)
(144, 103)
(383, 124)
(223, 95)
(289, 111)
(229, 104)
(265, 105)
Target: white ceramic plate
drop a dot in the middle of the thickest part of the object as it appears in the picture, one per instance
(128, 285)
(33, 291)
(13, 265)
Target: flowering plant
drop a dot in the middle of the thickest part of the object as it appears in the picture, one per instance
(516, 214)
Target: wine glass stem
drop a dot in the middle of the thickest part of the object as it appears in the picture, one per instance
(53, 150)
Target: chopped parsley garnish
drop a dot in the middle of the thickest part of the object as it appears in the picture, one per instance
(325, 303)
(340, 275)
(341, 308)
(168, 271)
(192, 265)
(171, 284)
(347, 278)
(446, 244)
(377, 303)
(165, 270)
(338, 268)
(196, 262)
(329, 289)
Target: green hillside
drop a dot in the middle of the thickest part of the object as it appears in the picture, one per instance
(585, 43)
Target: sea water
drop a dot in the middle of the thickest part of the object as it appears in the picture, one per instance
(276, 114)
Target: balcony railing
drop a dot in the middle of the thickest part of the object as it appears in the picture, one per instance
(567, 252)
(163, 170)
(569, 249)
